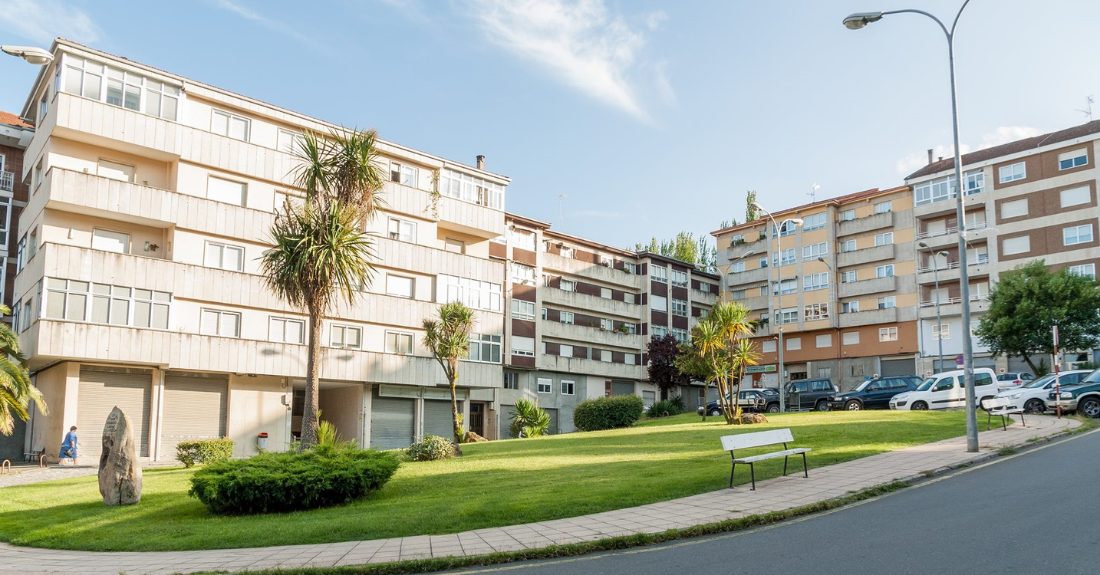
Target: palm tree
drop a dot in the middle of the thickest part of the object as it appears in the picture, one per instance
(732, 321)
(743, 355)
(16, 389)
(709, 343)
(449, 339)
(321, 255)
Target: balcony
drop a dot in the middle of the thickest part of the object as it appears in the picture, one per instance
(592, 336)
(866, 224)
(866, 255)
(756, 276)
(589, 270)
(865, 287)
(869, 317)
(758, 302)
(953, 306)
(948, 237)
(54, 340)
(949, 206)
(703, 297)
(948, 272)
(432, 261)
(451, 213)
(591, 367)
(7, 182)
(590, 302)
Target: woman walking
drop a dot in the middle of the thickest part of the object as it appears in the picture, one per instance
(68, 447)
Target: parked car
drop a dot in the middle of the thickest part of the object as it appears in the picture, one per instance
(1083, 398)
(947, 391)
(874, 393)
(1013, 379)
(1032, 396)
(765, 399)
(810, 394)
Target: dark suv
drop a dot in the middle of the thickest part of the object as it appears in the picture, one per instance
(810, 394)
(766, 399)
(874, 393)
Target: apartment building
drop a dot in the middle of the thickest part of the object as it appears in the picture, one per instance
(1030, 199)
(845, 292)
(151, 201)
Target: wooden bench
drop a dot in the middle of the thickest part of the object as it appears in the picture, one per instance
(1002, 407)
(731, 443)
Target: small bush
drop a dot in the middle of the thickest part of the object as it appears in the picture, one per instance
(281, 482)
(431, 448)
(529, 420)
(608, 412)
(678, 401)
(204, 451)
(663, 408)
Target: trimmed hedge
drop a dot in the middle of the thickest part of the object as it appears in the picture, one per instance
(281, 482)
(608, 412)
(200, 451)
(431, 448)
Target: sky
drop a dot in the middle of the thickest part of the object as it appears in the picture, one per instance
(619, 120)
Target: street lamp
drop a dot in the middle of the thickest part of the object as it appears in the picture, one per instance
(778, 311)
(36, 56)
(855, 22)
(936, 275)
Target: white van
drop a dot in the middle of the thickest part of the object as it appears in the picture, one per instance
(947, 390)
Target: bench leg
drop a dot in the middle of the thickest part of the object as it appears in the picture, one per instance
(752, 473)
(785, 466)
(988, 418)
(805, 470)
(1004, 424)
(732, 469)
(1023, 423)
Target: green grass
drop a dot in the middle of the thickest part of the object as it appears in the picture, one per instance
(494, 484)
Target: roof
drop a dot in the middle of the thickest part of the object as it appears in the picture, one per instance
(873, 192)
(526, 220)
(589, 243)
(1018, 146)
(9, 119)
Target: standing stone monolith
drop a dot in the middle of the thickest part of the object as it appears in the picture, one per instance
(119, 471)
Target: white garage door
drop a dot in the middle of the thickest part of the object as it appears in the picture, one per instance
(391, 422)
(438, 419)
(101, 389)
(194, 408)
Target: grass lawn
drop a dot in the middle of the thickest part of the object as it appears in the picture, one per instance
(495, 484)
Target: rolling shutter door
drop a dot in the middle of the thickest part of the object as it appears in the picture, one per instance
(391, 422)
(437, 418)
(622, 388)
(553, 413)
(507, 412)
(894, 367)
(101, 389)
(194, 408)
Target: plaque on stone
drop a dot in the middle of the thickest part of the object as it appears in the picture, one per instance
(119, 471)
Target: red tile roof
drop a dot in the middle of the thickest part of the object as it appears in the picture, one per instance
(12, 120)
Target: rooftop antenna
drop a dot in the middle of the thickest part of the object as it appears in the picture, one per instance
(1088, 107)
(813, 193)
(561, 197)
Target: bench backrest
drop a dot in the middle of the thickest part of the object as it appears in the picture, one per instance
(995, 402)
(757, 439)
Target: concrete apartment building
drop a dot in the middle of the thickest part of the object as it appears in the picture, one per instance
(1026, 200)
(846, 294)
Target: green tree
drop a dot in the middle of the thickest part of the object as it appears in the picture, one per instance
(16, 389)
(720, 341)
(449, 339)
(751, 214)
(1028, 301)
(529, 420)
(321, 255)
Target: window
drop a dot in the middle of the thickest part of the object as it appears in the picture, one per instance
(1088, 270)
(214, 321)
(68, 299)
(794, 343)
(109, 241)
(568, 285)
(704, 287)
(607, 324)
(227, 191)
(524, 346)
(885, 271)
(883, 207)
(846, 215)
(679, 278)
(522, 274)
(630, 268)
(817, 311)
(934, 191)
(83, 78)
(567, 387)
(289, 142)
(522, 239)
(630, 358)
(887, 302)
(888, 334)
(786, 287)
(1011, 173)
(161, 100)
(941, 331)
(788, 315)
(565, 350)
(567, 252)
(767, 346)
(1075, 196)
(813, 282)
(814, 222)
(763, 262)
(486, 348)
(658, 303)
(472, 293)
(43, 106)
(523, 310)
(738, 295)
(1019, 245)
(471, 189)
(230, 125)
(32, 243)
(38, 172)
(403, 174)
(681, 335)
(400, 286)
(345, 336)
(812, 252)
(224, 256)
(630, 298)
(787, 257)
(847, 246)
(605, 293)
(28, 314)
(454, 246)
(884, 239)
(786, 228)
(566, 317)
(660, 331)
(124, 89)
(545, 385)
(16, 315)
(1014, 209)
(824, 340)
(605, 261)
(1077, 235)
(659, 273)
(974, 182)
(402, 230)
(511, 381)
(115, 171)
(1074, 159)
(630, 328)
(401, 343)
(284, 330)
(5, 212)
(848, 277)
(850, 338)
(679, 307)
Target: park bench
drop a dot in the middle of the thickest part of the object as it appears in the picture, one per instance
(732, 443)
(1002, 407)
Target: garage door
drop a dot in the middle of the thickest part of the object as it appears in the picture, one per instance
(391, 422)
(893, 367)
(438, 419)
(101, 389)
(622, 388)
(553, 413)
(194, 408)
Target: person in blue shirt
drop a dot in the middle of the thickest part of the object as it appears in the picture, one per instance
(68, 447)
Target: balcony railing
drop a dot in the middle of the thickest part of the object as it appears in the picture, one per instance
(7, 181)
(982, 259)
(952, 300)
(973, 227)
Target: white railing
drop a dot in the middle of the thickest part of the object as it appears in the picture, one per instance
(945, 231)
(952, 300)
(7, 181)
(982, 259)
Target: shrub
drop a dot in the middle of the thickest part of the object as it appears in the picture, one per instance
(529, 420)
(431, 448)
(663, 408)
(608, 412)
(678, 401)
(204, 451)
(280, 482)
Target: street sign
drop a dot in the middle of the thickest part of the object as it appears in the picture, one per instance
(760, 369)
(959, 359)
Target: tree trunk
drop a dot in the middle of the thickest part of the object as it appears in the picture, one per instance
(313, 378)
(452, 377)
(1027, 358)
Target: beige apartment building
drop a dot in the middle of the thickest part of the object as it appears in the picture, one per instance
(845, 293)
(1026, 200)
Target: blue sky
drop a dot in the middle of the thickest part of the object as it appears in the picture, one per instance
(651, 117)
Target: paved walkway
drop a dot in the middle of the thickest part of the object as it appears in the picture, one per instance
(22, 475)
(771, 495)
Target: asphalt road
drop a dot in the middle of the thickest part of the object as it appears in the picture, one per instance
(1033, 513)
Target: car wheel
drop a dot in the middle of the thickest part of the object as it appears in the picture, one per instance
(715, 412)
(822, 406)
(853, 406)
(1089, 406)
(920, 406)
(773, 408)
(1035, 406)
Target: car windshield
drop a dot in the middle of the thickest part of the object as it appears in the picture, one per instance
(926, 384)
(1093, 377)
(1040, 382)
(862, 386)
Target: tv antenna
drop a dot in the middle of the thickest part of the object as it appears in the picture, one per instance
(813, 193)
(561, 198)
(1088, 107)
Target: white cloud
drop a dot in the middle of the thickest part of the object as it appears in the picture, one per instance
(663, 84)
(43, 20)
(1001, 135)
(269, 23)
(580, 42)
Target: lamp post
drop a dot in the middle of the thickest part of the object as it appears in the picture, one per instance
(855, 22)
(778, 312)
(936, 275)
(32, 55)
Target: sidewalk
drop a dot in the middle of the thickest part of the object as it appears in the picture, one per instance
(770, 495)
(22, 475)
